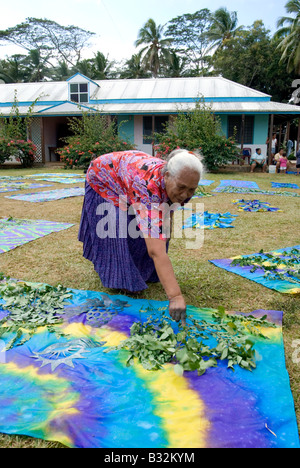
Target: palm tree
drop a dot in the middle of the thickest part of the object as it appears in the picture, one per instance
(224, 27)
(289, 35)
(157, 48)
(134, 69)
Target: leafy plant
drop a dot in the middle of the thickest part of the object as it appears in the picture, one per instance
(197, 130)
(154, 342)
(92, 135)
(269, 262)
(30, 306)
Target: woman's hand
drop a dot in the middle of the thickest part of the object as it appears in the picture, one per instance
(177, 309)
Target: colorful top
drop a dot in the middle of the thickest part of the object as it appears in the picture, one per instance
(133, 178)
(283, 163)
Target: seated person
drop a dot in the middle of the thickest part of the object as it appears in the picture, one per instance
(277, 159)
(258, 160)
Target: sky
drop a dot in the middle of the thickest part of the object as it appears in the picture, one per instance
(116, 22)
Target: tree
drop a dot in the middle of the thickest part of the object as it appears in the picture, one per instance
(289, 33)
(256, 62)
(189, 34)
(134, 69)
(53, 41)
(157, 48)
(224, 26)
(12, 70)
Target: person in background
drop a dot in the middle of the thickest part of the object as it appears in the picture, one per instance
(258, 160)
(276, 159)
(283, 163)
(298, 162)
(289, 147)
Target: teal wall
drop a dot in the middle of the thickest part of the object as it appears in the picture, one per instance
(126, 127)
(261, 126)
(224, 123)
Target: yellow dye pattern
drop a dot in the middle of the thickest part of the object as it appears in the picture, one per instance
(180, 408)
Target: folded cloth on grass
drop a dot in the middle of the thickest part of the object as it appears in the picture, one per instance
(254, 191)
(15, 232)
(254, 205)
(279, 184)
(55, 174)
(13, 186)
(67, 387)
(49, 195)
(278, 269)
(206, 182)
(61, 180)
(238, 183)
(208, 220)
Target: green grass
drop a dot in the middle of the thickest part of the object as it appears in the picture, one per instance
(57, 258)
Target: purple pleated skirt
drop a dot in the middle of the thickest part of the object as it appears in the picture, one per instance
(121, 262)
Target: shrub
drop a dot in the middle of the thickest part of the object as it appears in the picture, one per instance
(23, 150)
(93, 135)
(197, 130)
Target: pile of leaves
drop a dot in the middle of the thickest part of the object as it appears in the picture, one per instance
(269, 262)
(30, 306)
(154, 343)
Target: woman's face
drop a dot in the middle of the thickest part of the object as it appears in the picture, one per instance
(181, 187)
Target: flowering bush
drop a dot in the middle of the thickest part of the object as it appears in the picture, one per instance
(23, 150)
(79, 153)
(197, 130)
(92, 135)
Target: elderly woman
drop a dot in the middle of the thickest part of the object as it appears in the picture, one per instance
(123, 218)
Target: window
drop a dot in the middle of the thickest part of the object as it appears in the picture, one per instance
(79, 92)
(235, 128)
(159, 122)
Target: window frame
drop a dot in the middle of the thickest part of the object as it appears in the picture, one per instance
(79, 92)
(249, 128)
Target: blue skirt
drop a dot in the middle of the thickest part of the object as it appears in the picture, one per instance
(121, 262)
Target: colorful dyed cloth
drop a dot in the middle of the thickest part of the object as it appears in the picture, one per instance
(206, 182)
(278, 184)
(71, 390)
(254, 206)
(16, 232)
(59, 175)
(13, 186)
(50, 195)
(208, 220)
(61, 180)
(254, 191)
(284, 282)
(238, 183)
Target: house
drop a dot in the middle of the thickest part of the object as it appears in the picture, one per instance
(144, 105)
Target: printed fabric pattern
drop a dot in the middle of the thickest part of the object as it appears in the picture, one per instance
(133, 178)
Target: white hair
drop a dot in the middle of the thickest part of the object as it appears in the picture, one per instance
(181, 158)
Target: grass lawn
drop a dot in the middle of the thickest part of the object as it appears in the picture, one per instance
(57, 258)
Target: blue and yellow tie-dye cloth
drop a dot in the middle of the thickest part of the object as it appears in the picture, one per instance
(286, 283)
(71, 390)
(209, 220)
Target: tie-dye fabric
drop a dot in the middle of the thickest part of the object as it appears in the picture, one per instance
(288, 283)
(205, 182)
(238, 183)
(13, 186)
(71, 390)
(230, 189)
(279, 184)
(254, 206)
(36, 197)
(14, 233)
(62, 180)
(208, 220)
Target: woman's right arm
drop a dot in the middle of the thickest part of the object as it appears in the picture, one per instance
(158, 252)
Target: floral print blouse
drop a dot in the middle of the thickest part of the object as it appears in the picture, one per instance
(133, 178)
